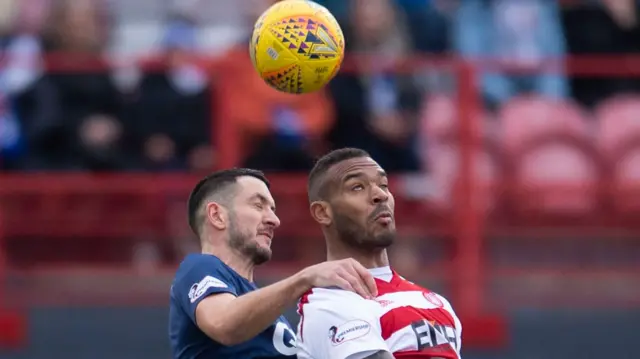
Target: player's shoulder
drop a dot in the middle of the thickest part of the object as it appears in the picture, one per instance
(199, 274)
(199, 260)
(197, 266)
(405, 285)
(332, 300)
(321, 296)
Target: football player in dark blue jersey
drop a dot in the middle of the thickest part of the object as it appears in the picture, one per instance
(216, 310)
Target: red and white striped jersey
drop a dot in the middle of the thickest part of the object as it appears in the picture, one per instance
(405, 319)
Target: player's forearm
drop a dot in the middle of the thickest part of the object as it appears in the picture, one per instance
(251, 313)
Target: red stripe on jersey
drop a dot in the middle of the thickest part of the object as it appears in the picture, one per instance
(442, 351)
(303, 300)
(397, 284)
(400, 317)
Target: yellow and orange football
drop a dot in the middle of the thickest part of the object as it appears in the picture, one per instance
(297, 46)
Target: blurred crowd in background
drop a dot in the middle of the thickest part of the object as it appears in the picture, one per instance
(127, 117)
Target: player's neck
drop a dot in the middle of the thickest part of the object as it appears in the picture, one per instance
(241, 265)
(368, 258)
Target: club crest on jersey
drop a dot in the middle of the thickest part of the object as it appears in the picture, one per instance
(433, 299)
(348, 331)
(197, 290)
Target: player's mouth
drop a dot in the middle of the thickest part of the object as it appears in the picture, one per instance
(384, 217)
(268, 235)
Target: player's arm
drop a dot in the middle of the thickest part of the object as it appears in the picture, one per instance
(231, 319)
(336, 324)
(457, 323)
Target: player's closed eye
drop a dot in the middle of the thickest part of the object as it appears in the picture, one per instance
(259, 205)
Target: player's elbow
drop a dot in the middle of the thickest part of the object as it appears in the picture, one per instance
(229, 341)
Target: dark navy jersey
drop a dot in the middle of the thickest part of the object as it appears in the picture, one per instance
(199, 276)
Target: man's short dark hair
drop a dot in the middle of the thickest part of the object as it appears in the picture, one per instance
(218, 186)
(317, 187)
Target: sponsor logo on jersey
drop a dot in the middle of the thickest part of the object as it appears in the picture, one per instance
(199, 289)
(433, 299)
(348, 331)
(431, 334)
(284, 339)
(383, 303)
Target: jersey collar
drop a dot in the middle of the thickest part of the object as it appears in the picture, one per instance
(382, 273)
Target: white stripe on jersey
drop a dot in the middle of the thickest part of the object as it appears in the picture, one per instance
(413, 299)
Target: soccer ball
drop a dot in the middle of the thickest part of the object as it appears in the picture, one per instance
(297, 46)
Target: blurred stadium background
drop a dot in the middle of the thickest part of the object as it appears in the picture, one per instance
(512, 128)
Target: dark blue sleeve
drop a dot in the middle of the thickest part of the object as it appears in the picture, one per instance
(200, 280)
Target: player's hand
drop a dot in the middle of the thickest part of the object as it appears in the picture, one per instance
(347, 274)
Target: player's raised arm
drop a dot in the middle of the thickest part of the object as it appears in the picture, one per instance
(212, 302)
(336, 324)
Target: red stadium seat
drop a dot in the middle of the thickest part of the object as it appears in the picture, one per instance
(619, 120)
(557, 178)
(439, 127)
(626, 176)
(555, 166)
(439, 118)
(619, 143)
(628, 167)
(443, 165)
(528, 118)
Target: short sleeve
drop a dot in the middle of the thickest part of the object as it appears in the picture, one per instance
(336, 324)
(456, 322)
(199, 281)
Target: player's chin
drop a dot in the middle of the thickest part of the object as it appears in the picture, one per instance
(389, 227)
(385, 238)
(264, 246)
(262, 255)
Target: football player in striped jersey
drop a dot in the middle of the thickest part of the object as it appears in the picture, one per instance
(351, 200)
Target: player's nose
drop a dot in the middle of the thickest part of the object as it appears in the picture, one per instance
(379, 195)
(272, 220)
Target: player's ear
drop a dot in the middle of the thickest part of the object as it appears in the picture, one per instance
(216, 215)
(321, 212)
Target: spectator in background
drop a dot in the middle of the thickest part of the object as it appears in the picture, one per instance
(518, 32)
(429, 24)
(277, 131)
(23, 45)
(613, 29)
(339, 9)
(170, 116)
(88, 100)
(7, 14)
(100, 141)
(29, 105)
(79, 26)
(376, 110)
(426, 20)
(10, 127)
